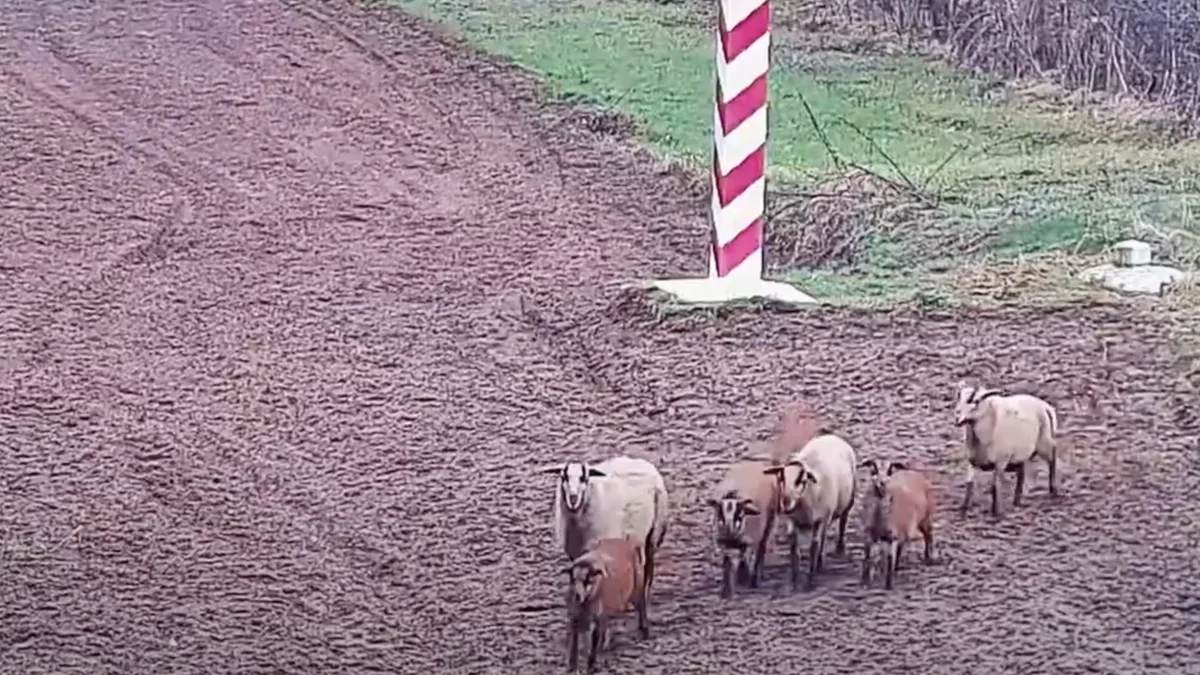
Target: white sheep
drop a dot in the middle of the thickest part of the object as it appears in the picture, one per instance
(745, 503)
(817, 485)
(1003, 434)
(798, 424)
(619, 497)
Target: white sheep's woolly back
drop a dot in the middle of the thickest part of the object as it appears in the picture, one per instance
(623, 465)
(1022, 423)
(630, 499)
(831, 459)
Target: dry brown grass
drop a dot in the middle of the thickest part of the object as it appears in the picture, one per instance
(1148, 50)
(832, 223)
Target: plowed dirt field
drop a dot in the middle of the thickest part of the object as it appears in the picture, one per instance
(297, 296)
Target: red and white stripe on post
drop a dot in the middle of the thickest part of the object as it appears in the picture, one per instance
(739, 155)
(735, 260)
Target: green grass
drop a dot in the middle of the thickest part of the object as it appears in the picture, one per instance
(1034, 179)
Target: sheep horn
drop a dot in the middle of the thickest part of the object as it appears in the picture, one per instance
(557, 468)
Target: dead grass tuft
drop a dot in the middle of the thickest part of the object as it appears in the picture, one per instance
(833, 223)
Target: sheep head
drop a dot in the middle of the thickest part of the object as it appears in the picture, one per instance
(967, 409)
(732, 511)
(584, 576)
(794, 480)
(878, 476)
(573, 481)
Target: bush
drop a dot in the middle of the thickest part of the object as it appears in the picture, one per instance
(1149, 49)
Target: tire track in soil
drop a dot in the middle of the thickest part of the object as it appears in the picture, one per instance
(271, 450)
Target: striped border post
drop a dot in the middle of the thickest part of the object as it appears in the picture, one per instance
(735, 260)
(740, 133)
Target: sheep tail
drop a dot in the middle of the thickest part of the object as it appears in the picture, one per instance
(660, 517)
(1051, 431)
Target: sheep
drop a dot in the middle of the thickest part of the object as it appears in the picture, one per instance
(745, 503)
(619, 496)
(1002, 434)
(604, 581)
(817, 484)
(797, 425)
(897, 508)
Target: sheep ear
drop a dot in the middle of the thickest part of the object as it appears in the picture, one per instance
(870, 465)
(810, 476)
(773, 470)
(981, 394)
(551, 469)
(595, 473)
(713, 502)
(749, 507)
(896, 466)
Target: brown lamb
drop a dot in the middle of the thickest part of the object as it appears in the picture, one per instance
(897, 508)
(606, 579)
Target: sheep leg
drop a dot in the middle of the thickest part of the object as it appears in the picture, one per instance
(1053, 462)
(814, 559)
(794, 556)
(648, 567)
(824, 529)
(726, 575)
(643, 619)
(816, 551)
(760, 554)
(743, 570)
(841, 542)
(927, 534)
(899, 545)
(573, 648)
(997, 488)
(1019, 487)
(599, 629)
(866, 566)
(968, 492)
(893, 557)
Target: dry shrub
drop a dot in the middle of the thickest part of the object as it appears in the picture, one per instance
(1149, 49)
(831, 224)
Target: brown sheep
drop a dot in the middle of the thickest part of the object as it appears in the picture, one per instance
(745, 503)
(897, 508)
(606, 579)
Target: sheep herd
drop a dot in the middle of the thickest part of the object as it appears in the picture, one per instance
(611, 518)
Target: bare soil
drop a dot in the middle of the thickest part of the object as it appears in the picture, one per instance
(297, 295)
